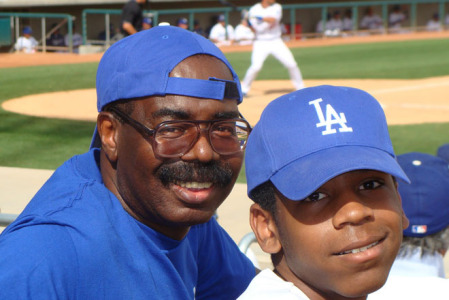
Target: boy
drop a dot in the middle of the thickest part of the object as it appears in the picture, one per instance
(322, 172)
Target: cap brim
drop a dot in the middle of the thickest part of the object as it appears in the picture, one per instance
(303, 176)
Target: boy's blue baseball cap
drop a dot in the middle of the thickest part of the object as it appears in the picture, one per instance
(443, 152)
(426, 200)
(140, 65)
(305, 138)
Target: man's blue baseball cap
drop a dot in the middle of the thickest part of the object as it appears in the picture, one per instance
(305, 138)
(443, 152)
(140, 65)
(426, 200)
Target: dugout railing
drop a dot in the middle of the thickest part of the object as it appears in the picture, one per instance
(17, 21)
(295, 15)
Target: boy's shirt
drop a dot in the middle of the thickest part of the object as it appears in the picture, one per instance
(267, 285)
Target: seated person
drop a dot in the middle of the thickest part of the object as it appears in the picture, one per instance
(55, 39)
(371, 21)
(222, 34)
(77, 40)
(322, 172)
(434, 23)
(418, 271)
(243, 33)
(396, 18)
(26, 43)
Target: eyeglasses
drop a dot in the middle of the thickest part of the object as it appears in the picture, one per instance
(175, 138)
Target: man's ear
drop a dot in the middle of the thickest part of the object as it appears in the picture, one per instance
(265, 230)
(107, 126)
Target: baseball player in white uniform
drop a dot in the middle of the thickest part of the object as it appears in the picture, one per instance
(265, 18)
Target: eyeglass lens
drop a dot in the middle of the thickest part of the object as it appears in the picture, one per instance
(226, 137)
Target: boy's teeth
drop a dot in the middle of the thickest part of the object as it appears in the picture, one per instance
(359, 249)
(195, 185)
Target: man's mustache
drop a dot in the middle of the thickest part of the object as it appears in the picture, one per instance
(214, 172)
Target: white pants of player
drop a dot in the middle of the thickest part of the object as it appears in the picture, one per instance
(277, 48)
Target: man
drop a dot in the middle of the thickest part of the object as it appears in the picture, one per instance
(132, 218)
(26, 43)
(132, 17)
(418, 271)
(182, 23)
(222, 34)
(265, 18)
(321, 169)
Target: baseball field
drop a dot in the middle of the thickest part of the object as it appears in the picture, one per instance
(48, 100)
(48, 103)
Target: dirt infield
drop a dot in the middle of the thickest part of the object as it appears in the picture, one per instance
(404, 101)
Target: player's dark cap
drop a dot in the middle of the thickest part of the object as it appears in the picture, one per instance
(140, 66)
(426, 200)
(306, 138)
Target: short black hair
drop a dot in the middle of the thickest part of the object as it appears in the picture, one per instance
(265, 195)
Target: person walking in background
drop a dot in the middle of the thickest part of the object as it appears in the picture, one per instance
(265, 18)
(26, 43)
(418, 271)
(222, 34)
(132, 17)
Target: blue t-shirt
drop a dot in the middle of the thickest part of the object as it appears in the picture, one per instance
(74, 240)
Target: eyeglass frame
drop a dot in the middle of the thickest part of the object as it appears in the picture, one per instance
(150, 133)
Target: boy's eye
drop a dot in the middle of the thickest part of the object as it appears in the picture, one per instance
(370, 185)
(316, 196)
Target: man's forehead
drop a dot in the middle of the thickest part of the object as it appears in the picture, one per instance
(184, 107)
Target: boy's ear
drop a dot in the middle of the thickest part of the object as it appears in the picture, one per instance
(107, 129)
(265, 230)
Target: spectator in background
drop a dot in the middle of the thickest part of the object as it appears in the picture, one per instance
(371, 21)
(147, 23)
(56, 39)
(222, 34)
(443, 152)
(198, 29)
(182, 23)
(243, 33)
(77, 40)
(396, 19)
(320, 26)
(26, 43)
(418, 271)
(347, 21)
(434, 23)
(334, 25)
(446, 21)
(132, 17)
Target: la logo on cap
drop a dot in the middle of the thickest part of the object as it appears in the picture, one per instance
(332, 118)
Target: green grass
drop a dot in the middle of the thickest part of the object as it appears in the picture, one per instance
(45, 143)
